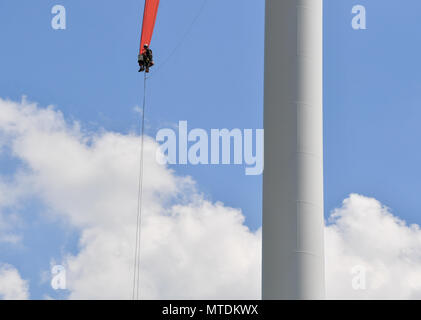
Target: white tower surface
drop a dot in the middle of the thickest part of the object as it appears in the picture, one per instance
(293, 225)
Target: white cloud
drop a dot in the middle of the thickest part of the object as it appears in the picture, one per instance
(12, 286)
(365, 233)
(192, 248)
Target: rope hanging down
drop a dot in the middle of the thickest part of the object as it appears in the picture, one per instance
(136, 272)
(151, 8)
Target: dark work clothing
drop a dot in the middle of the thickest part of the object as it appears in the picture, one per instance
(147, 55)
(146, 60)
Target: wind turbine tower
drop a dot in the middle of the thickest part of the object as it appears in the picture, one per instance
(293, 225)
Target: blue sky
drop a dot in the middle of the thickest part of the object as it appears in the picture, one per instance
(215, 80)
(372, 98)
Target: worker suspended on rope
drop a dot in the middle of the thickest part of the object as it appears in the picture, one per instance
(145, 57)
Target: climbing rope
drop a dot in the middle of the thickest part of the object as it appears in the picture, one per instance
(137, 257)
(136, 273)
